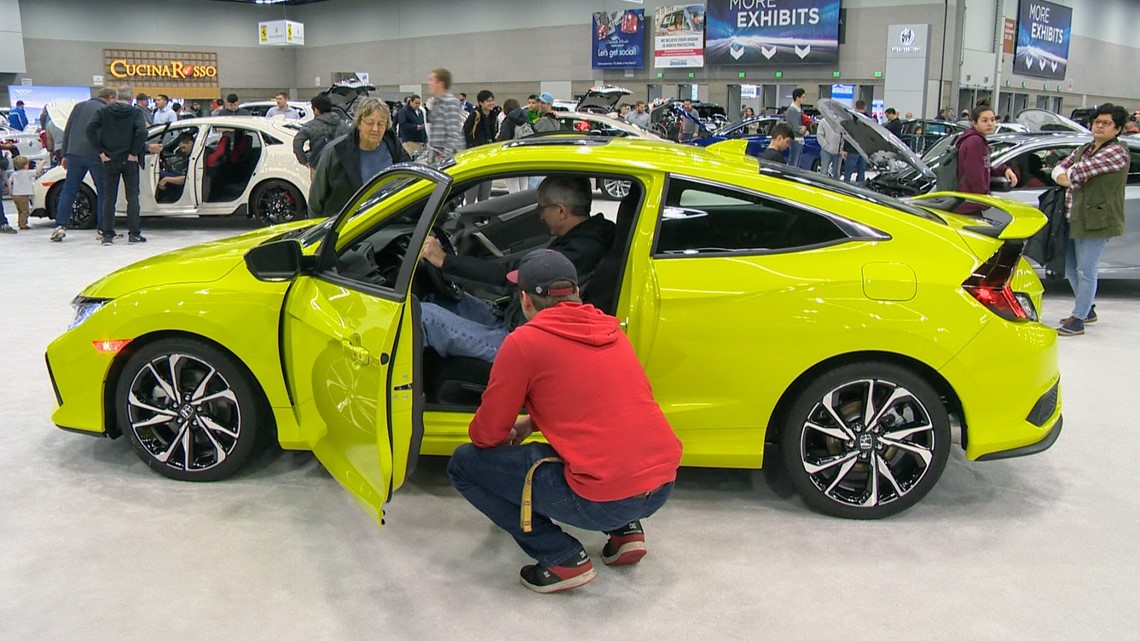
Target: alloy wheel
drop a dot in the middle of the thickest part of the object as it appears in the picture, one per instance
(868, 443)
(615, 189)
(183, 413)
(278, 203)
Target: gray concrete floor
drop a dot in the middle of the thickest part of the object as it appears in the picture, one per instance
(95, 546)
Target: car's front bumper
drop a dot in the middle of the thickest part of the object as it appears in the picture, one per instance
(78, 373)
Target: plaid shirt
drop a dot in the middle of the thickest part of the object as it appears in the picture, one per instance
(1109, 158)
(446, 118)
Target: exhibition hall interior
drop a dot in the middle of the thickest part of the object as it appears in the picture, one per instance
(357, 319)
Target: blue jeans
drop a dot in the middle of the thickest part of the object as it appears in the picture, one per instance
(1082, 259)
(829, 164)
(492, 480)
(856, 164)
(77, 168)
(468, 327)
(797, 149)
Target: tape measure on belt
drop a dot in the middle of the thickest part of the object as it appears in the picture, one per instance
(528, 490)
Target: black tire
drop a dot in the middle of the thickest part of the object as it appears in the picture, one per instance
(82, 212)
(838, 465)
(614, 189)
(815, 165)
(277, 201)
(220, 426)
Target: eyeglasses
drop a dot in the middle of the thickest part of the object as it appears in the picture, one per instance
(1104, 123)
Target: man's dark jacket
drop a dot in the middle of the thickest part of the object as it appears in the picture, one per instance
(584, 245)
(338, 172)
(481, 128)
(75, 141)
(410, 125)
(118, 130)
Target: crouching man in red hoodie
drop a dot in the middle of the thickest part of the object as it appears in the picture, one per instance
(612, 457)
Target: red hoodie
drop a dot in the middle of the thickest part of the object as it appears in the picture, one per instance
(974, 169)
(579, 379)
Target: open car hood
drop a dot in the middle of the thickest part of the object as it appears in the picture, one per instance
(601, 99)
(1042, 120)
(59, 110)
(881, 148)
(345, 93)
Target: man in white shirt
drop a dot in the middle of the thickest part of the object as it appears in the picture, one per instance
(282, 108)
(162, 111)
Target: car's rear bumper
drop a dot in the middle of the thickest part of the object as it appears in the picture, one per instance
(1027, 450)
(1008, 382)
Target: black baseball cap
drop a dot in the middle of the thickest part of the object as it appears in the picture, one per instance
(541, 269)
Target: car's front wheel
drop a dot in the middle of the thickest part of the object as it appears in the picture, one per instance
(276, 201)
(82, 212)
(613, 188)
(190, 410)
(866, 440)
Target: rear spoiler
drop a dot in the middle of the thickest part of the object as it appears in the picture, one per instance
(1005, 219)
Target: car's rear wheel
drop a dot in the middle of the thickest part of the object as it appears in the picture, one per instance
(613, 188)
(276, 201)
(83, 211)
(866, 440)
(190, 411)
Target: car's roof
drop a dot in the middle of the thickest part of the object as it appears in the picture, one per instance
(269, 125)
(609, 121)
(269, 103)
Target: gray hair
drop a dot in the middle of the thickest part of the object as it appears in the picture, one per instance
(125, 94)
(572, 191)
(368, 106)
(106, 93)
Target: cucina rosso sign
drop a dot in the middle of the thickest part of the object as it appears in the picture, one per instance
(174, 69)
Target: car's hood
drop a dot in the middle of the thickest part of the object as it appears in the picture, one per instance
(59, 110)
(203, 263)
(1042, 120)
(601, 99)
(880, 147)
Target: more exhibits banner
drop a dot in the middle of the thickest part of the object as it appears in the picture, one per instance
(1043, 32)
(619, 38)
(758, 32)
(679, 36)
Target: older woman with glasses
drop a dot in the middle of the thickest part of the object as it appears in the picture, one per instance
(348, 162)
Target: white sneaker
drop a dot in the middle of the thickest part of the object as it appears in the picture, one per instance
(58, 234)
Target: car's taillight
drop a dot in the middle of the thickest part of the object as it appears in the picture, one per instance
(989, 284)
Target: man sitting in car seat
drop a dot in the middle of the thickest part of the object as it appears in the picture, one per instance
(472, 327)
(173, 172)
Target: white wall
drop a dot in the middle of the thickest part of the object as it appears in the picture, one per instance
(11, 38)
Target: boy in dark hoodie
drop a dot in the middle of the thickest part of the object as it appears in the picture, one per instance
(612, 456)
(118, 133)
(974, 171)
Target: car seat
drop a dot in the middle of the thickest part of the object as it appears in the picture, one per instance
(216, 159)
(604, 286)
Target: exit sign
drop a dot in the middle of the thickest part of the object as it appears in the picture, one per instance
(779, 74)
(878, 74)
(692, 75)
(740, 74)
(834, 74)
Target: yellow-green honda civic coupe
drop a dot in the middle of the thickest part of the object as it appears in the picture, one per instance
(767, 305)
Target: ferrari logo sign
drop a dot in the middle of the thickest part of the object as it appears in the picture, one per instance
(280, 33)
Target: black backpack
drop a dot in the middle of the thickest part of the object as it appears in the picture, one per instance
(327, 135)
(947, 171)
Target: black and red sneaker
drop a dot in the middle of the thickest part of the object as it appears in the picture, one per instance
(576, 572)
(626, 545)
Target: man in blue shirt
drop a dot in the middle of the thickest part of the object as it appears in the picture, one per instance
(18, 118)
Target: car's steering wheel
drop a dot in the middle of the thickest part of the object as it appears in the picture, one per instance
(439, 282)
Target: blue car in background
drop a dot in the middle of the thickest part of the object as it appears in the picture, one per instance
(755, 130)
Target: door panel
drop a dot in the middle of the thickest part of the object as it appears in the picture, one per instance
(351, 338)
(340, 343)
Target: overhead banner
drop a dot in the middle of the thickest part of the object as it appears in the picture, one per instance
(679, 36)
(760, 32)
(1043, 32)
(619, 39)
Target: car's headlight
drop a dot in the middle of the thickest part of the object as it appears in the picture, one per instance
(84, 308)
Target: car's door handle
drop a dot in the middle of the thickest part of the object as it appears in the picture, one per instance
(358, 354)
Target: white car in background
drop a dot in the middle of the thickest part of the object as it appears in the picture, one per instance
(238, 165)
(259, 108)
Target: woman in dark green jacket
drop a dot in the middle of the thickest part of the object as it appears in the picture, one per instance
(1096, 175)
(348, 162)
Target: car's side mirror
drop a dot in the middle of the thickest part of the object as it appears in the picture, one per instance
(1000, 183)
(279, 260)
